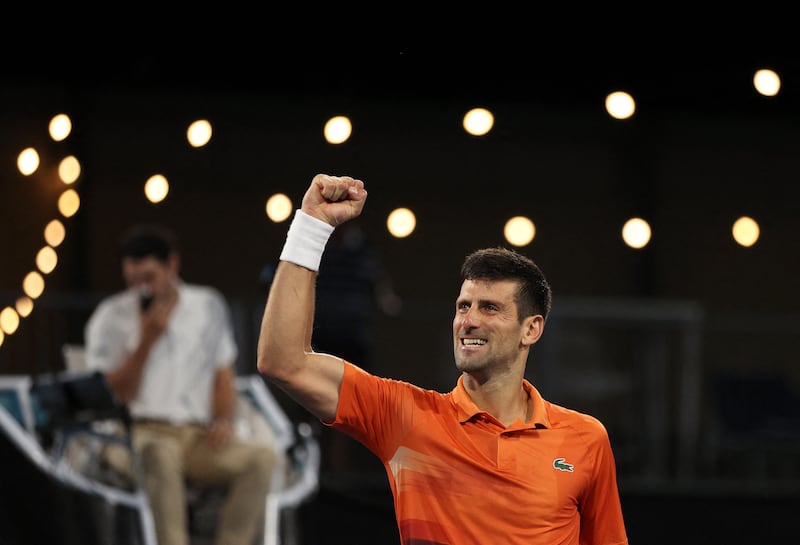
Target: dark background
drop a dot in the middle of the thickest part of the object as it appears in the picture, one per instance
(702, 149)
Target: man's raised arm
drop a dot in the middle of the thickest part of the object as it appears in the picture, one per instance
(284, 345)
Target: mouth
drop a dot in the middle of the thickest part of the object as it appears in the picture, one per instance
(472, 342)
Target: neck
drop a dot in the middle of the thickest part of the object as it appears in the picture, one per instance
(507, 401)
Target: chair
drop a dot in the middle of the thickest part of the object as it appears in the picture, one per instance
(258, 417)
(80, 510)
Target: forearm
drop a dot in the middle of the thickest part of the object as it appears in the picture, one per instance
(127, 377)
(224, 401)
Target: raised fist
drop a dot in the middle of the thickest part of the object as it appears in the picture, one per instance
(334, 199)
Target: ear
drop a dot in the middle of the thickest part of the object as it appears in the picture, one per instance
(174, 263)
(533, 327)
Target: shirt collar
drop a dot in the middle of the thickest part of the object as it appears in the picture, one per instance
(467, 408)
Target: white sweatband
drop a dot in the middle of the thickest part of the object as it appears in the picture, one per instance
(306, 241)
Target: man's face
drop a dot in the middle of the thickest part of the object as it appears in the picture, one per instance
(149, 274)
(486, 330)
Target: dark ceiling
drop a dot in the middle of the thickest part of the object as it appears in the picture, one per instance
(547, 60)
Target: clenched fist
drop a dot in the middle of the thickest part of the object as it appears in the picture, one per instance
(334, 199)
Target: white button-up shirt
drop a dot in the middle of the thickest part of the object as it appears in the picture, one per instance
(178, 376)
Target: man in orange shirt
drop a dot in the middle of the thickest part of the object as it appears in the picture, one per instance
(489, 462)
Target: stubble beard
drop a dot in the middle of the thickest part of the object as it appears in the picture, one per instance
(468, 363)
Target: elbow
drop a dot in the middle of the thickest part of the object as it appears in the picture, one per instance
(263, 354)
(122, 395)
(271, 361)
(124, 399)
(279, 356)
(264, 357)
(262, 364)
(274, 369)
(279, 365)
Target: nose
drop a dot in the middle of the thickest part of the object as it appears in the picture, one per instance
(467, 319)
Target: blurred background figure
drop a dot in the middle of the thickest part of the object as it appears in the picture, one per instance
(352, 286)
(168, 351)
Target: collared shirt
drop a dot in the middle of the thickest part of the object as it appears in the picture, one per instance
(179, 373)
(460, 477)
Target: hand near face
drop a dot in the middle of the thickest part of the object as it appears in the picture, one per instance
(155, 318)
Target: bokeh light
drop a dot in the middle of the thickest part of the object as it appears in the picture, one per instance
(746, 231)
(54, 233)
(33, 284)
(636, 233)
(338, 129)
(519, 231)
(9, 320)
(156, 188)
(620, 105)
(199, 133)
(46, 260)
(69, 169)
(24, 306)
(68, 203)
(401, 222)
(278, 207)
(28, 161)
(60, 127)
(478, 121)
(767, 82)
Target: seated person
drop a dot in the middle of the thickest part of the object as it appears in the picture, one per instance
(168, 351)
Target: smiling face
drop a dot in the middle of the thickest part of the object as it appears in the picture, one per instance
(487, 333)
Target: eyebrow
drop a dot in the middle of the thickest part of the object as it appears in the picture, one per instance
(481, 302)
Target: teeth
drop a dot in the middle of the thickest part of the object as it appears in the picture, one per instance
(473, 341)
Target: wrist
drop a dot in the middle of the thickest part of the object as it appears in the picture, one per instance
(306, 240)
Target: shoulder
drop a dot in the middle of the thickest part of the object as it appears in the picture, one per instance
(202, 293)
(357, 375)
(117, 304)
(588, 426)
(114, 313)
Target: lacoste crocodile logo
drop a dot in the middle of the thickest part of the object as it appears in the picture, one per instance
(561, 465)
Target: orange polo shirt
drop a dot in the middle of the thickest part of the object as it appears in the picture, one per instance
(459, 477)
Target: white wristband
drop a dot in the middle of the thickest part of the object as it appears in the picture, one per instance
(306, 241)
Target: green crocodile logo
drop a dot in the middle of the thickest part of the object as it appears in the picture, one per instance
(561, 465)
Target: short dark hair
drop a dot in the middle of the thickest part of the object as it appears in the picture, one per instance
(533, 296)
(148, 240)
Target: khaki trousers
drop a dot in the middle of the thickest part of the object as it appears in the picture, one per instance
(172, 455)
